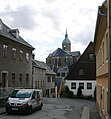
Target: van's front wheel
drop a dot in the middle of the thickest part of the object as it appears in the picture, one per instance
(30, 110)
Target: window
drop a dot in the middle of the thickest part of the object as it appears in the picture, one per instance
(91, 56)
(20, 79)
(63, 74)
(21, 55)
(81, 85)
(103, 52)
(73, 85)
(59, 62)
(53, 79)
(38, 84)
(52, 90)
(43, 84)
(27, 79)
(49, 79)
(58, 74)
(106, 46)
(13, 78)
(89, 85)
(27, 57)
(55, 62)
(81, 72)
(5, 50)
(13, 53)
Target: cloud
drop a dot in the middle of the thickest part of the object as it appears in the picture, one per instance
(22, 17)
(53, 16)
(43, 23)
(83, 37)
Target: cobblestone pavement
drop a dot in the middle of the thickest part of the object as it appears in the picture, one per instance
(58, 108)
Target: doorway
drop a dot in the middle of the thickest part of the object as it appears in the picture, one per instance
(4, 76)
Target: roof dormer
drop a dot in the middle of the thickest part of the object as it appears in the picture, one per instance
(1, 25)
(15, 33)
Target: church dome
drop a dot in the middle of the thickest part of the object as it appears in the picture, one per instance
(66, 41)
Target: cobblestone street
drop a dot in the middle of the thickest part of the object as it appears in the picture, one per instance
(56, 108)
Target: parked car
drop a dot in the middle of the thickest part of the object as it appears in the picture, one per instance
(24, 101)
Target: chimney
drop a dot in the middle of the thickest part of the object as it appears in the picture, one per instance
(15, 33)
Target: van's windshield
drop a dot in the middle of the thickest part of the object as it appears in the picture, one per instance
(20, 94)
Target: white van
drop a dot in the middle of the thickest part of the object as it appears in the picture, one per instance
(24, 100)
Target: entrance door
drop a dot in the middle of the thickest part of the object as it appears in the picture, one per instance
(4, 80)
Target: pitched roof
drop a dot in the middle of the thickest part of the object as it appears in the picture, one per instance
(75, 53)
(5, 32)
(72, 75)
(43, 65)
(59, 52)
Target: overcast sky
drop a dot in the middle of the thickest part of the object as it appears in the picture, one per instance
(43, 23)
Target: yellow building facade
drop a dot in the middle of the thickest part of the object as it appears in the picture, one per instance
(101, 52)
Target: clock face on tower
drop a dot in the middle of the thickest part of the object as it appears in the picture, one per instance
(64, 47)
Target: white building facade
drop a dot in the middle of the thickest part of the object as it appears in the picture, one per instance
(88, 86)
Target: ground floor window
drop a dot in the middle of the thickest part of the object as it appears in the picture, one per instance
(81, 85)
(89, 85)
(73, 85)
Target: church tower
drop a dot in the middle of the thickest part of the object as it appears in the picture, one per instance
(66, 44)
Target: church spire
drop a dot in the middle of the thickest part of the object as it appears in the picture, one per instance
(66, 30)
(66, 35)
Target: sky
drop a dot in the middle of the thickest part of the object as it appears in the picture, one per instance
(43, 23)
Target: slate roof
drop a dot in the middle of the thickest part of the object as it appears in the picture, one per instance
(38, 65)
(5, 33)
(61, 52)
(43, 65)
(76, 53)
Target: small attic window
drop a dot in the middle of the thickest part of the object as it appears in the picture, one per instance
(81, 72)
(15, 33)
(91, 56)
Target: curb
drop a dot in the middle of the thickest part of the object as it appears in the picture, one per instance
(85, 113)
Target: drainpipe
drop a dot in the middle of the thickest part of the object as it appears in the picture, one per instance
(109, 56)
